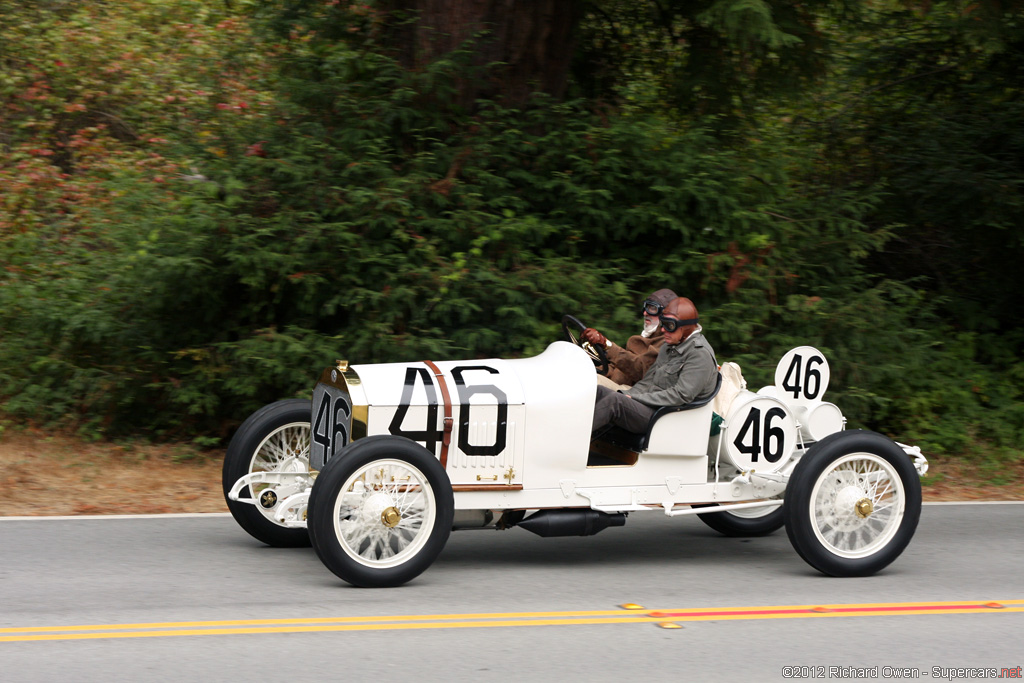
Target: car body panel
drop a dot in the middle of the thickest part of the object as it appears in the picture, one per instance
(520, 429)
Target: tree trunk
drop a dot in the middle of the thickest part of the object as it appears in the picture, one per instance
(532, 39)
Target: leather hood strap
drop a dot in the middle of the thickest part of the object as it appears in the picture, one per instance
(447, 438)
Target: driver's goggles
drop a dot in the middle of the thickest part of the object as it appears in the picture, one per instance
(673, 324)
(652, 308)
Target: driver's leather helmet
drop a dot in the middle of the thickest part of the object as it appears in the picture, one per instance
(662, 297)
(683, 309)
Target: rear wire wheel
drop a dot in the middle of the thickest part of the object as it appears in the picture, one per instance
(745, 522)
(273, 439)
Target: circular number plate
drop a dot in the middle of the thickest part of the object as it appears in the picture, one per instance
(761, 434)
(802, 375)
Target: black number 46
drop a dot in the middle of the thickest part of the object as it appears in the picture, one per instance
(330, 427)
(810, 382)
(430, 435)
(764, 438)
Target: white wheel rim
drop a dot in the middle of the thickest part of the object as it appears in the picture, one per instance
(384, 513)
(838, 509)
(286, 449)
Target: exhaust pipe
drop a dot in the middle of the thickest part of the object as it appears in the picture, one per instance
(571, 522)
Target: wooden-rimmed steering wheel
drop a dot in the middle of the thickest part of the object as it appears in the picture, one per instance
(572, 328)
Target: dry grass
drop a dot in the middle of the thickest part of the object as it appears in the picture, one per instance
(62, 475)
(958, 479)
(42, 474)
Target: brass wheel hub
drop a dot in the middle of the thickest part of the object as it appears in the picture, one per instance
(268, 499)
(390, 517)
(864, 508)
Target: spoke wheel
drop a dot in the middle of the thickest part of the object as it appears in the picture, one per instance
(857, 504)
(852, 504)
(273, 439)
(381, 511)
(745, 522)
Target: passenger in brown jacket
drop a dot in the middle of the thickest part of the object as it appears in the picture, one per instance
(627, 365)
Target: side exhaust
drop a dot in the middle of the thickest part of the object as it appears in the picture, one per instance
(571, 522)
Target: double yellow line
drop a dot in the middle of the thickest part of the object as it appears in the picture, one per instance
(626, 614)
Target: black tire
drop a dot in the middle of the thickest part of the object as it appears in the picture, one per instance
(843, 504)
(372, 539)
(287, 417)
(732, 524)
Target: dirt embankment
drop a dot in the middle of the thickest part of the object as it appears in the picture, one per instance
(61, 475)
(42, 474)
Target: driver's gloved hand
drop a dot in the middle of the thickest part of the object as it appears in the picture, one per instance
(594, 337)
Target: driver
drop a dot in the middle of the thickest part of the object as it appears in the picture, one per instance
(685, 370)
(626, 365)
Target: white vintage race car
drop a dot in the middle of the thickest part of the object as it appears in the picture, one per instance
(389, 458)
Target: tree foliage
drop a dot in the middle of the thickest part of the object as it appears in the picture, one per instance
(704, 57)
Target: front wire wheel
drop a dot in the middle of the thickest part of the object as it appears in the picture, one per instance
(853, 504)
(381, 512)
(384, 515)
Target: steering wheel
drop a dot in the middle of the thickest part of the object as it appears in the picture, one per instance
(572, 328)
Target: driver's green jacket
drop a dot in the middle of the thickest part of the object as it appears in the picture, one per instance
(682, 373)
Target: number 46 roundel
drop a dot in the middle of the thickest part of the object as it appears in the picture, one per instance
(760, 433)
(801, 377)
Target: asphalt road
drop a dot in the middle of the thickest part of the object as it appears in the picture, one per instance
(146, 599)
